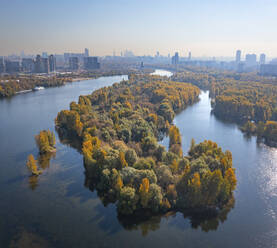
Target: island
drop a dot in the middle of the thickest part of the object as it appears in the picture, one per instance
(119, 128)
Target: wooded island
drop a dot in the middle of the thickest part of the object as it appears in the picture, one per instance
(119, 127)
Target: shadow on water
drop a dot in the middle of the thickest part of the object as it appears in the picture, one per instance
(69, 139)
(206, 221)
(146, 221)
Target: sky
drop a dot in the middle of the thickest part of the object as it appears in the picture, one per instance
(204, 27)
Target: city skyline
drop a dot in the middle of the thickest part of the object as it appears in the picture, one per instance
(213, 28)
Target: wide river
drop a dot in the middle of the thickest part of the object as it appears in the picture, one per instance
(58, 210)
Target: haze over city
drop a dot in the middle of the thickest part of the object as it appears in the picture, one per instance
(206, 28)
(138, 123)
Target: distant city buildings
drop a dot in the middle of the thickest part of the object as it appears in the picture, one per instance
(268, 69)
(128, 53)
(44, 65)
(240, 67)
(274, 61)
(86, 52)
(80, 56)
(238, 56)
(91, 63)
(44, 55)
(12, 66)
(250, 60)
(189, 57)
(52, 63)
(2, 65)
(73, 63)
(175, 59)
(82, 61)
(27, 65)
(262, 59)
(41, 64)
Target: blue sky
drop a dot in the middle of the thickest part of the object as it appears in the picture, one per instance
(204, 27)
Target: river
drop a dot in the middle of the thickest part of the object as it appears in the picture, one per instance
(60, 211)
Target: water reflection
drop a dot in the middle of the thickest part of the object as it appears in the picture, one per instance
(43, 163)
(44, 160)
(69, 139)
(268, 176)
(145, 221)
(33, 182)
(26, 239)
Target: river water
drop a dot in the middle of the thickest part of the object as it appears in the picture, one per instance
(60, 211)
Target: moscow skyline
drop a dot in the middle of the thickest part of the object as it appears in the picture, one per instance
(206, 28)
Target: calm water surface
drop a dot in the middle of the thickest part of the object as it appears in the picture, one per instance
(60, 211)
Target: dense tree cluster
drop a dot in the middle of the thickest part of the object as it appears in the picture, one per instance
(46, 141)
(244, 98)
(10, 85)
(119, 127)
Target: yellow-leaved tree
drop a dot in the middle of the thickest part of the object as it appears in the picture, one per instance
(32, 165)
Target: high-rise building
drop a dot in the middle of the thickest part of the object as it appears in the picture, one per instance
(238, 56)
(45, 65)
(73, 63)
(262, 59)
(27, 64)
(66, 57)
(2, 65)
(44, 55)
(128, 53)
(250, 60)
(189, 58)
(38, 64)
(41, 65)
(52, 63)
(12, 66)
(91, 63)
(175, 59)
(86, 52)
(240, 67)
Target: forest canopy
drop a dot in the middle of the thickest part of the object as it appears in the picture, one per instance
(119, 127)
(247, 99)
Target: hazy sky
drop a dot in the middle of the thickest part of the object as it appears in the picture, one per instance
(204, 27)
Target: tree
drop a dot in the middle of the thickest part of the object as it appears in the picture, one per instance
(45, 141)
(32, 165)
(174, 136)
(231, 178)
(122, 160)
(127, 202)
(143, 191)
(131, 156)
(174, 166)
(194, 191)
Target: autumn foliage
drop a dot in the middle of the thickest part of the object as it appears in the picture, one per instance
(46, 141)
(119, 127)
(32, 165)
